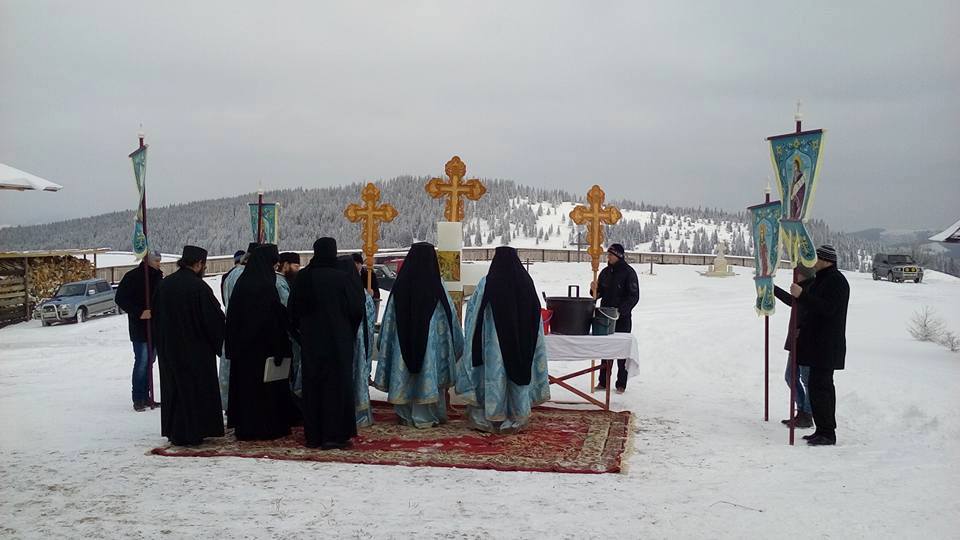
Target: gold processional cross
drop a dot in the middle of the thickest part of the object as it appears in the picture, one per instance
(371, 215)
(455, 189)
(595, 215)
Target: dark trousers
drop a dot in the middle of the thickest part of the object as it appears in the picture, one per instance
(624, 324)
(823, 400)
(607, 365)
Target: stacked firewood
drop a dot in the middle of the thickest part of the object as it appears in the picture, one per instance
(48, 273)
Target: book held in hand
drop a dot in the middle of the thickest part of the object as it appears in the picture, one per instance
(272, 372)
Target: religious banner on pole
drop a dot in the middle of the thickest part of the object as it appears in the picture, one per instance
(269, 221)
(139, 159)
(796, 160)
(370, 214)
(766, 253)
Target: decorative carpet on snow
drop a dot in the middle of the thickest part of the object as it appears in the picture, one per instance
(556, 440)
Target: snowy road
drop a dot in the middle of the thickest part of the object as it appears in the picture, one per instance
(73, 457)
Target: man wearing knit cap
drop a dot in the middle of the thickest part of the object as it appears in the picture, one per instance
(617, 286)
(821, 340)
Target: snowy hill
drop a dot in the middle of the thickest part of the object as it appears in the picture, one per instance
(73, 454)
(508, 214)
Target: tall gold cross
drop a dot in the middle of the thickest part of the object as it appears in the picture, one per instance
(456, 188)
(371, 215)
(595, 215)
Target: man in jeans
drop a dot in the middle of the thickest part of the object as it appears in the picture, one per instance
(131, 297)
(617, 286)
(804, 416)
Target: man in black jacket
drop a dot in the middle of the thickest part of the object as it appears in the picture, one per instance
(131, 297)
(617, 286)
(821, 339)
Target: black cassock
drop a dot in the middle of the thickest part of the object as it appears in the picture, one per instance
(257, 329)
(327, 308)
(188, 326)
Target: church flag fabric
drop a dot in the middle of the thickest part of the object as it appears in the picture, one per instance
(271, 222)
(796, 161)
(766, 253)
(139, 158)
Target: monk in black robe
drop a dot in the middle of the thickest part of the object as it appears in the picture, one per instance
(256, 334)
(327, 308)
(188, 328)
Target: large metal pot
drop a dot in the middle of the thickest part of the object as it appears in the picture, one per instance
(572, 315)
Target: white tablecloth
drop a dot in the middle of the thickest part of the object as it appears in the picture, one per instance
(561, 348)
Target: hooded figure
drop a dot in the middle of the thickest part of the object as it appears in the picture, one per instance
(363, 347)
(227, 282)
(420, 341)
(504, 370)
(326, 307)
(188, 328)
(256, 331)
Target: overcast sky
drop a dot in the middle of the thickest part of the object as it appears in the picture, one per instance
(666, 102)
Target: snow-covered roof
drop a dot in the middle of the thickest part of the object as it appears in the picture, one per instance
(950, 235)
(13, 178)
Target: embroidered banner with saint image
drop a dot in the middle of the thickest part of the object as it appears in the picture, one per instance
(796, 161)
(766, 253)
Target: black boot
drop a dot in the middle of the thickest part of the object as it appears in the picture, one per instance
(804, 421)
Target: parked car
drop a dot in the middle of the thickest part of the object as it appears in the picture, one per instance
(896, 267)
(77, 301)
(385, 276)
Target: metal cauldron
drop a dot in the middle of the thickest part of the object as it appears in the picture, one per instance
(572, 315)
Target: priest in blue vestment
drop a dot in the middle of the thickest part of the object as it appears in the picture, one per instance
(421, 340)
(505, 362)
(363, 346)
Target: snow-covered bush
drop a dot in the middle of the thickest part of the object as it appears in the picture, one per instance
(950, 341)
(925, 326)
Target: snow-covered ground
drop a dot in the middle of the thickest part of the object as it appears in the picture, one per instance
(73, 457)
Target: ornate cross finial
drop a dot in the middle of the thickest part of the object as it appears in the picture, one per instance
(594, 216)
(370, 214)
(456, 188)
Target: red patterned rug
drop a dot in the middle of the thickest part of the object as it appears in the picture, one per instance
(555, 440)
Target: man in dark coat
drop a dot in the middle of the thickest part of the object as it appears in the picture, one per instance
(617, 286)
(188, 326)
(327, 308)
(375, 283)
(131, 297)
(821, 339)
(256, 331)
(800, 375)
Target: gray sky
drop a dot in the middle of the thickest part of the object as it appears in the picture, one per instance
(666, 102)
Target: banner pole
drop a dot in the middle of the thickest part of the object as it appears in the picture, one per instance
(146, 288)
(260, 216)
(766, 351)
(793, 328)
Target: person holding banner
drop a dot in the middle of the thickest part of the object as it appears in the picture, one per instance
(256, 334)
(326, 309)
(804, 416)
(131, 297)
(420, 341)
(188, 328)
(821, 339)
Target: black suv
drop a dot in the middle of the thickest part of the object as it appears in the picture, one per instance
(896, 268)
